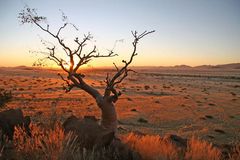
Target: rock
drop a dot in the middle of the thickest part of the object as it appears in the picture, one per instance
(12, 118)
(129, 99)
(146, 87)
(142, 120)
(210, 136)
(220, 131)
(176, 140)
(91, 134)
(133, 110)
(209, 116)
(157, 101)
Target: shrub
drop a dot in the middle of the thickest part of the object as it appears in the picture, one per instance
(157, 148)
(199, 150)
(43, 144)
(5, 96)
(152, 147)
(235, 155)
(53, 144)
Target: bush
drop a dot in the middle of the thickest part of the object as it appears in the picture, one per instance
(5, 96)
(156, 148)
(54, 144)
(43, 144)
(198, 150)
(152, 147)
(235, 155)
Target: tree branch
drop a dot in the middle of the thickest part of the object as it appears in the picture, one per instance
(122, 73)
(55, 59)
(30, 16)
(69, 85)
(78, 81)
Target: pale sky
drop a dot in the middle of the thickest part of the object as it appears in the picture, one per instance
(191, 32)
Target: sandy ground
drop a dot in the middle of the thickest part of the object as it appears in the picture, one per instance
(187, 102)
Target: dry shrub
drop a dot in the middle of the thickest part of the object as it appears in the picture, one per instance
(53, 144)
(3, 142)
(43, 144)
(157, 148)
(201, 150)
(72, 150)
(46, 144)
(235, 155)
(5, 97)
(152, 147)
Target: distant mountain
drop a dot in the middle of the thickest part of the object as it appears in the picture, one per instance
(22, 66)
(230, 66)
(182, 66)
(223, 66)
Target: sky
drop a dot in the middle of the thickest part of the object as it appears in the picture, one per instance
(191, 32)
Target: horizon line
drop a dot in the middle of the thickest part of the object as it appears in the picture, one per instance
(177, 65)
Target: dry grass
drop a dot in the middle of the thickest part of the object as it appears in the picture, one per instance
(152, 147)
(44, 144)
(53, 144)
(236, 153)
(157, 148)
(199, 150)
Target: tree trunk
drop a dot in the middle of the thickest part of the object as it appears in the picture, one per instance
(105, 103)
(109, 115)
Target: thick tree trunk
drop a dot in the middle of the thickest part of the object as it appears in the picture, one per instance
(109, 114)
(105, 103)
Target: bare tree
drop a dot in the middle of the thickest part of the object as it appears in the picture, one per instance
(77, 59)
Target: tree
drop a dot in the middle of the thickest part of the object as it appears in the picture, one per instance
(77, 59)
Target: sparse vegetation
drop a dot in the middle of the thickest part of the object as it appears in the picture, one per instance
(46, 111)
(54, 144)
(236, 153)
(76, 109)
(152, 147)
(197, 150)
(157, 148)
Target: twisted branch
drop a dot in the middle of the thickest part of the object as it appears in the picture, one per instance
(30, 16)
(122, 73)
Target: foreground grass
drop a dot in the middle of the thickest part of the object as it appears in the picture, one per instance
(54, 144)
(157, 148)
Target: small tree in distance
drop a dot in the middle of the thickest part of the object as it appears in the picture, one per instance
(77, 59)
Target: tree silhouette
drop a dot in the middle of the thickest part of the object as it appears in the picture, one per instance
(77, 59)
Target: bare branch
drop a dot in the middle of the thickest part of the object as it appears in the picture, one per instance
(116, 66)
(65, 24)
(30, 16)
(69, 85)
(82, 44)
(88, 57)
(122, 73)
(58, 61)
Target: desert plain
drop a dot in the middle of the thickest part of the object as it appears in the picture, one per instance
(203, 101)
